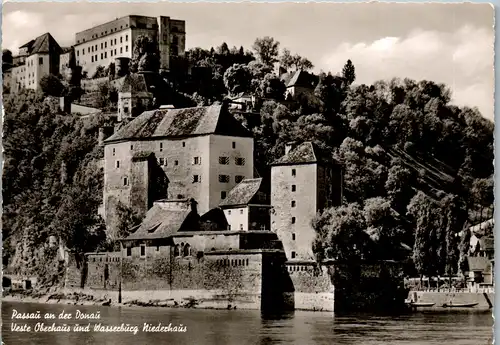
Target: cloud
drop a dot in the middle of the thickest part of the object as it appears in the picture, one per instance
(462, 59)
(19, 25)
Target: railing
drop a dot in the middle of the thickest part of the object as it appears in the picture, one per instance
(456, 290)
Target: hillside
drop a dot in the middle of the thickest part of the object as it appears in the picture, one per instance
(413, 163)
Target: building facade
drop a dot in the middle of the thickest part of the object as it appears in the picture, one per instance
(203, 153)
(247, 206)
(37, 58)
(303, 182)
(102, 44)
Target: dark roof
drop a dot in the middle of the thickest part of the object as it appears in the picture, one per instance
(242, 193)
(66, 49)
(163, 220)
(487, 243)
(478, 263)
(28, 44)
(302, 78)
(45, 44)
(183, 122)
(305, 153)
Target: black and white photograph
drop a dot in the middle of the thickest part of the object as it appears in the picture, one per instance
(247, 173)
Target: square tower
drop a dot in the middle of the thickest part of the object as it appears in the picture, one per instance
(303, 182)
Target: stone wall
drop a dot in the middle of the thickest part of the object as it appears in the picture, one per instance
(312, 286)
(292, 222)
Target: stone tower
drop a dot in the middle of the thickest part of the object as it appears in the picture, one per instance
(304, 181)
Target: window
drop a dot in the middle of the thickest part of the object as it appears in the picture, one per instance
(223, 195)
(111, 53)
(111, 42)
(157, 248)
(241, 226)
(121, 39)
(293, 255)
(293, 203)
(234, 144)
(125, 181)
(125, 110)
(117, 164)
(229, 227)
(229, 212)
(114, 151)
(224, 160)
(77, 53)
(293, 221)
(129, 251)
(196, 178)
(126, 38)
(115, 51)
(121, 50)
(161, 161)
(101, 45)
(161, 147)
(197, 160)
(92, 49)
(105, 55)
(105, 44)
(187, 250)
(239, 161)
(183, 144)
(83, 51)
(238, 178)
(88, 50)
(293, 237)
(126, 48)
(294, 173)
(224, 178)
(176, 163)
(241, 211)
(115, 40)
(102, 56)
(131, 147)
(293, 188)
(92, 59)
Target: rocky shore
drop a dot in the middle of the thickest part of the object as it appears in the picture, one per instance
(77, 298)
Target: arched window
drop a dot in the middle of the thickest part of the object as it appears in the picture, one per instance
(187, 250)
(177, 250)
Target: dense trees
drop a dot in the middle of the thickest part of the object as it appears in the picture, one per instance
(52, 184)
(51, 85)
(417, 169)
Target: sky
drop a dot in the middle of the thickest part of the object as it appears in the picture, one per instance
(446, 43)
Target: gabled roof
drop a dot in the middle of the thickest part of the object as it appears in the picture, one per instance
(242, 193)
(302, 78)
(163, 220)
(185, 122)
(478, 263)
(45, 44)
(28, 44)
(305, 153)
(487, 243)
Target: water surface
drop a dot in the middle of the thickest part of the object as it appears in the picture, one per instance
(239, 327)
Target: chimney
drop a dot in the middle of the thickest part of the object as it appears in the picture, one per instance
(194, 206)
(289, 146)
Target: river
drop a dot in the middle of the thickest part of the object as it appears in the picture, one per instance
(239, 327)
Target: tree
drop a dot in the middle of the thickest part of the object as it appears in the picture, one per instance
(100, 72)
(288, 61)
(267, 50)
(145, 56)
(342, 232)
(272, 87)
(7, 58)
(237, 79)
(52, 86)
(349, 72)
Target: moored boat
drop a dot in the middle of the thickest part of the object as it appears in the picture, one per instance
(459, 305)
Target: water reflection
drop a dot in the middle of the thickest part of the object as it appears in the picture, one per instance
(240, 327)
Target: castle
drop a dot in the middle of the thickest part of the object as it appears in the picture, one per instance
(94, 47)
(212, 230)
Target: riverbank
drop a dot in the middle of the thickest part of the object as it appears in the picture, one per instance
(78, 298)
